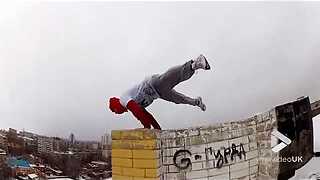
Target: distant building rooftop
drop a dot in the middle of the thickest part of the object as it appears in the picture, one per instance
(26, 138)
(14, 162)
(58, 178)
(2, 152)
(33, 176)
(99, 163)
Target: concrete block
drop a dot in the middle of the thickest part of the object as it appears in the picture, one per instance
(196, 149)
(226, 127)
(259, 118)
(132, 134)
(168, 143)
(145, 144)
(253, 170)
(121, 153)
(173, 169)
(261, 127)
(253, 146)
(151, 134)
(242, 178)
(264, 136)
(116, 170)
(219, 136)
(273, 115)
(146, 178)
(239, 166)
(120, 162)
(117, 177)
(168, 134)
(121, 144)
(265, 153)
(134, 172)
(170, 151)
(239, 140)
(239, 174)
(197, 174)
(253, 176)
(182, 133)
(175, 176)
(218, 145)
(265, 116)
(252, 138)
(194, 140)
(252, 154)
(153, 172)
(145, 154)
(210, 130)
(252, 121)
(264, 144)
(116, 134)
(218, 171)
(197, 166)
(209, 164)
(146, 163)
(253, 162)
(220, 177)
(180, 142)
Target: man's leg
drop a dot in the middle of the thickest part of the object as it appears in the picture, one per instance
(174, 76)
(179, 98)
(178, 74)
(165, 83)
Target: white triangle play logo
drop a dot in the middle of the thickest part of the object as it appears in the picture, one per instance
(285, 141)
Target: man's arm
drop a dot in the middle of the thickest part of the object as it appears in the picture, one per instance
(142, 114)
(153, 121)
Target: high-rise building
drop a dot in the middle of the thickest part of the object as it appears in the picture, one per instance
(105, 141)
(72, 139)
(12, 131)
(3, 155)
(3, 141)
(45, 144)
(27, 134)
(106, 146)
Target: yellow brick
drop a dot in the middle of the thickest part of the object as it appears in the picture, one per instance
(153, 173)
(151, 134)
(134, 144)
(145, 154)
(121, 144)
(146, 163)
(116, 170)
(117, 177)
(132, 135)
(141, 178)
(116, 134)
(121, 153)
(134, 172)
(121, 162)
(144, 144)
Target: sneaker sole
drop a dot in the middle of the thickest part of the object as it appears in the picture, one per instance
(207, 67)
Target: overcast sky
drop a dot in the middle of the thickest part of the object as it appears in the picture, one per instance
(60, 62)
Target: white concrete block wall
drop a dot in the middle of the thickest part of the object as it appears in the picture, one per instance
(201, 148)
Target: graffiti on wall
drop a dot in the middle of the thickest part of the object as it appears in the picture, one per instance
(182, 157)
